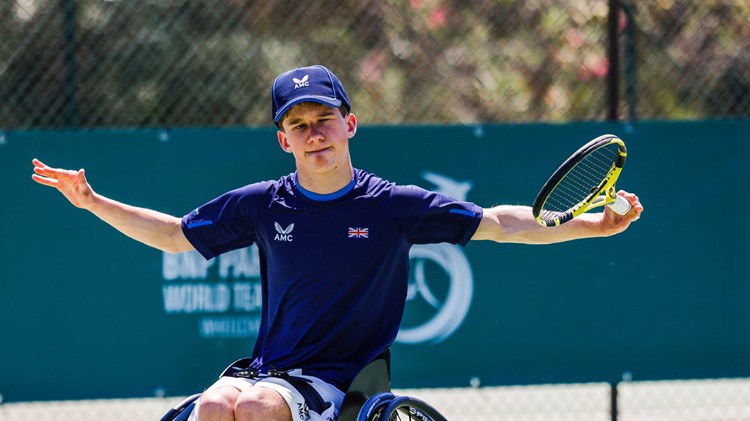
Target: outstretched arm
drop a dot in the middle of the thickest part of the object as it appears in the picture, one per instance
(516, 224)
(150, 227)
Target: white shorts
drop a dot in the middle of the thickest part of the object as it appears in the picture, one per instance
(293, 398)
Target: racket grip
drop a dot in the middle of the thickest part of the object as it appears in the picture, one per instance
(621, 206)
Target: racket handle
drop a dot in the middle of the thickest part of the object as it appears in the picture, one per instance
(621, 206)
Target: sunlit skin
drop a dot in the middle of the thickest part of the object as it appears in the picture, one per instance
(318, 137)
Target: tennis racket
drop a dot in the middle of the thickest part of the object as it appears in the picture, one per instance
(583, 182)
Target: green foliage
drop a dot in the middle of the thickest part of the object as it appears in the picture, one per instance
(97, 63)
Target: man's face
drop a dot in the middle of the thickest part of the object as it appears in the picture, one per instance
(318, 137)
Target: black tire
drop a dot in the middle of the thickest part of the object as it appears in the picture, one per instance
(182, 410)
(403, 408)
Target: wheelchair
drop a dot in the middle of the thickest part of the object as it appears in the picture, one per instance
(369, 398)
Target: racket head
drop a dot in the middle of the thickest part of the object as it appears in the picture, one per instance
(584, 181)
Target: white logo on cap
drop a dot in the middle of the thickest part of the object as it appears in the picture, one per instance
(298, 83)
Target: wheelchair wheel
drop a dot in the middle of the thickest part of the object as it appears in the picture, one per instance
(182, 410)
(373, 408)
(387, 407)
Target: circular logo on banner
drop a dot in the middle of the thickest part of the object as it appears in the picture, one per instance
(439, 294)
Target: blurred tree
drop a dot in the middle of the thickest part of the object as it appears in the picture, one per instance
(182, 63)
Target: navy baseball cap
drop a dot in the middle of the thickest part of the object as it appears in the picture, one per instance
(306, 84)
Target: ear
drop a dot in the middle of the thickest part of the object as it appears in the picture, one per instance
(283, 141)
(351, 125)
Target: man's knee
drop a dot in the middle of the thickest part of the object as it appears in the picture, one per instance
(218, 404)
(258, 403)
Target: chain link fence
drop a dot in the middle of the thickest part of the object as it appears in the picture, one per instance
(686, 59)
(696, 400)
(85, 64)
(197, 63)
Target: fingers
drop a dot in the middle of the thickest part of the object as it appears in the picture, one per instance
(635, 203)
(42, 175)
(53, 176)
(44, 180)
(72, 184)
(42, 169)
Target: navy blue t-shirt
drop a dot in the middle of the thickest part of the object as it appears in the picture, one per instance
(334, 268)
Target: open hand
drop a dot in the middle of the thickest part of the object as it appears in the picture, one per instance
(72, 184)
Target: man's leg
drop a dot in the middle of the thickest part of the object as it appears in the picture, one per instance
(227, 403)
(217, 404)
(260, 403)
(270, 398)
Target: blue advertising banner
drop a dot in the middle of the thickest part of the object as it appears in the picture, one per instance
(89, 313)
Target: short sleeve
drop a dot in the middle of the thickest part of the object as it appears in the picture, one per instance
(427, 217)
(227, 222)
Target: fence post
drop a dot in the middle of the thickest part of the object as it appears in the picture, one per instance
(70, 104)
(631, 68)
(613, 410)
(613, 51)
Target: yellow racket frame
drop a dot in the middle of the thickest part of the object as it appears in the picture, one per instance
(603, 194)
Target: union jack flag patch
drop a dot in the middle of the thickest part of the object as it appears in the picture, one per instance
(359, 232)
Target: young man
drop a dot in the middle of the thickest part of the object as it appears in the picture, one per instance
(333, 300)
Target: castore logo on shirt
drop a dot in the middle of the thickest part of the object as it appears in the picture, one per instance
(283, 234)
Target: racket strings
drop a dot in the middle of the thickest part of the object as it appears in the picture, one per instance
(586, 177)
(580, 183)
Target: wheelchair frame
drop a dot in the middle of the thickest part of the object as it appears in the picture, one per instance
(368, 398)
